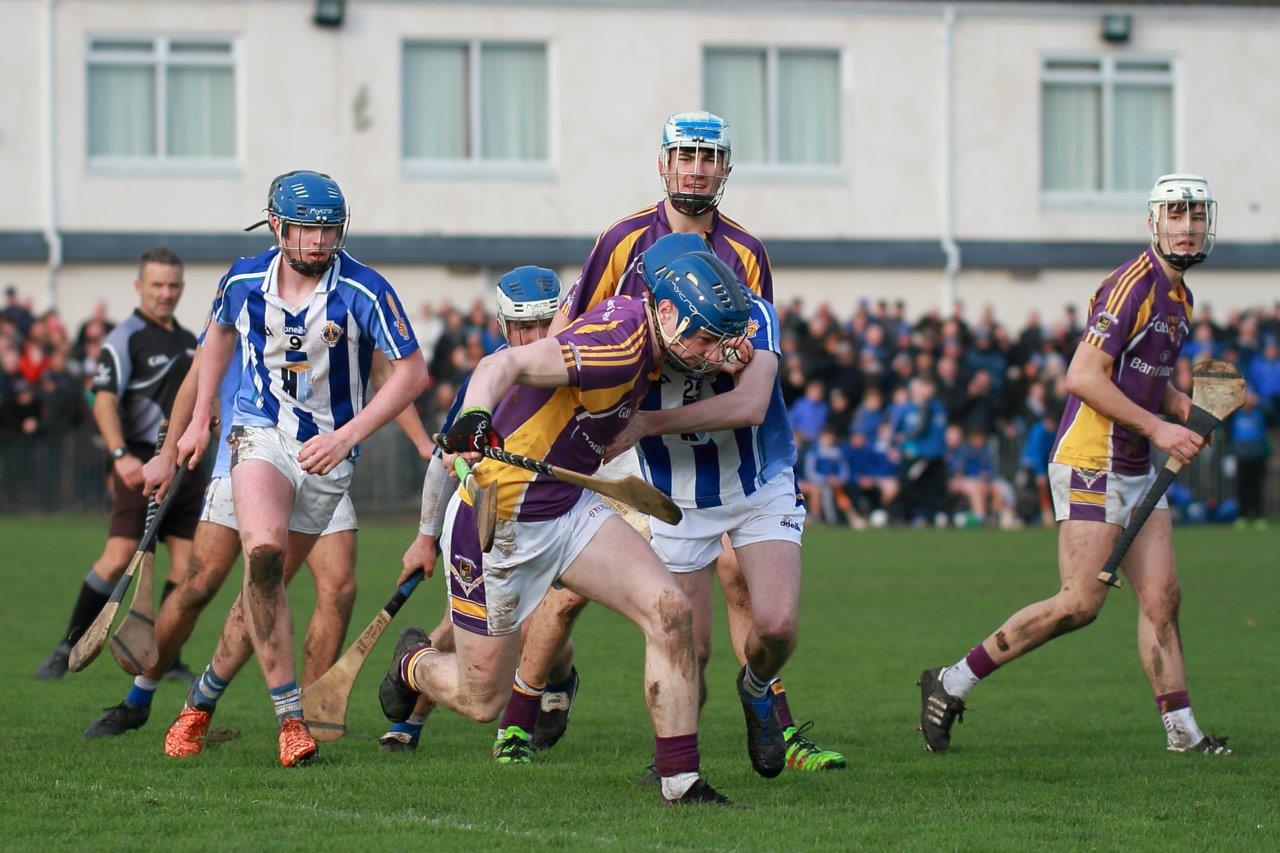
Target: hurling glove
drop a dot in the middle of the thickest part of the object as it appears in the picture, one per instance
(472, 431)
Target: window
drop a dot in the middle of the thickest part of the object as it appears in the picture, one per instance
(475, 101)
(782, 104)
(161, 99)
(1106, 124)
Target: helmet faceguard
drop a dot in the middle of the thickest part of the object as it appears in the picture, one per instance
(308, 200)
(527, 294)
(694, 160)
(711, 308)
(1183, 218)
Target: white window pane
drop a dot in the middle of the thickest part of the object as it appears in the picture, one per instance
(808, 108)
(434, 108)
(1143, 142)
(1072, 137)
(513, 102)
(122, 111)
(733, 88)
(201, 118)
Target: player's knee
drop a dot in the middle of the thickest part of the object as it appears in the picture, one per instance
(673, 625)
(776, 630)
(266, 567)
(339, 593)
(568, 606)
(485, 709)
(1074, 612)
(194, 595)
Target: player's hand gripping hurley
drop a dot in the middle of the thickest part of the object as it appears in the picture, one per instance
(1217, 391)
(134, 646)
(473, 433)
(324, 703)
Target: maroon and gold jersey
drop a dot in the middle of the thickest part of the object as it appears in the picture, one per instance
(609, 354)
(1142, 321)
(610, 268)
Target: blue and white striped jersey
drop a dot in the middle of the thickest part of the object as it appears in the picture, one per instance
(304, 369)
(716, 468)
(456, 406)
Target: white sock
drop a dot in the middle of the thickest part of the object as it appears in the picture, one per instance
(416, 719)
(959, 679)
(145, 683)
(1181, 729)
(673, 787)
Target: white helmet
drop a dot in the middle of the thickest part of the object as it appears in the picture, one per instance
(695, 130)
(1182, 189)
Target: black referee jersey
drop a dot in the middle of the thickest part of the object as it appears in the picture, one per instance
(144, 364)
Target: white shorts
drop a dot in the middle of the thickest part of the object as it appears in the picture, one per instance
(315, 496)
(220, 508)
(492, 594)
(626, 465)
(770, 513)
(1086, 495)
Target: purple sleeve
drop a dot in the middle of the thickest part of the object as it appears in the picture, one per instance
(1112, 313)
(607, 346)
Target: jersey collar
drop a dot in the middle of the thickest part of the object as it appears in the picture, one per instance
(327, 283)
(1176, 293)
(666, 223)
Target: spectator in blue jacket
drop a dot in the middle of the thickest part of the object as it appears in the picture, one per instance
(923, 472)
(809, 413)
(1249, 447)
(824, 473)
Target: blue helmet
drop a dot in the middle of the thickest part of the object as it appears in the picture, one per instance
(527, 293)
(707, 297)
(699, 130)
(307, 198)
(667, 249)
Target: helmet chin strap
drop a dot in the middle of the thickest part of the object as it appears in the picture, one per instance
(310, 269)
(667, 342)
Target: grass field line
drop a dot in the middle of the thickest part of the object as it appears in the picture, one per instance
(408, 817)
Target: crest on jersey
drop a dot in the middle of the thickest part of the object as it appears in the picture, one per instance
(1102, 325)
(467, 574)
(401, 326)
(753, 326)
(1088, 476)
(332, 333)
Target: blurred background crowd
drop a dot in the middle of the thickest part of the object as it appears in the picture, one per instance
(928, 420)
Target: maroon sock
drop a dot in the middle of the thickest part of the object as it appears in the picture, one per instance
(679, 754)
(980, 662)
(780, 705)
(522, 707)
(1169, 702)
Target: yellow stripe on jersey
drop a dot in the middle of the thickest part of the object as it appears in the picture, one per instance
(1116, 298)
(588, 328)
(1144, 314)
(470, 608)
(604, 399)
(1080, 496)
(613, 270)
(1087, 441)
(749, 263)
(533, 438)
(622, 346)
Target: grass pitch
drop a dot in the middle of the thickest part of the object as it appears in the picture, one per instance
(1063, 748)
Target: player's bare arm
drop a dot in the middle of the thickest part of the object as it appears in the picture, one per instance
(219, 345)
(408, 420)
(1089, 378)
(158, 473)
(106, 412)
(744, 406)
(322, 453)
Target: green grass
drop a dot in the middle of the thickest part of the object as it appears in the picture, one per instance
(1064, 748)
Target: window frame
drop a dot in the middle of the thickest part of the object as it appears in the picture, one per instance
(771, 170)
(160, 58)
(1106, 77)
(473, 166)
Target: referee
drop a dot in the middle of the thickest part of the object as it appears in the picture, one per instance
(141, 366)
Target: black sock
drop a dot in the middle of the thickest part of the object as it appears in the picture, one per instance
(169, 586)
(88, 605)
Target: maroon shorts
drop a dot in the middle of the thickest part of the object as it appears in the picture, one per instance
(129, 507)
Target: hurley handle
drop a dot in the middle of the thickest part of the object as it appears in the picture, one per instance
(403, 592)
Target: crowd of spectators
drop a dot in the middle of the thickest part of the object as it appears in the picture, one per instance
(923, 420)
(44, 372)
(932, 419)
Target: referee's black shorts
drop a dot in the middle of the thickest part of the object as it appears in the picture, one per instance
(129, 507)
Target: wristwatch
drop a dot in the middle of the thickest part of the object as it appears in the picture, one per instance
(119, 452)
